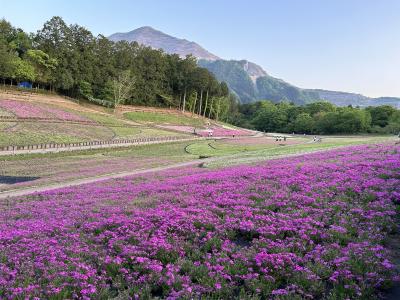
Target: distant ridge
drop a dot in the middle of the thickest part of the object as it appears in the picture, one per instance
(158, 40)
(249, 81)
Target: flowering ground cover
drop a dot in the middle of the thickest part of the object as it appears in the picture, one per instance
(180, 128)
(311, 226)
(219, 131)
(25, 109)
(265, 141)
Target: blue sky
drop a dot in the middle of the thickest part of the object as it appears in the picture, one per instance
(348, 45)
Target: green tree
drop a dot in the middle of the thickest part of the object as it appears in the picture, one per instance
(43, 65)
(23, 70)
(123, 86)
(6, 62)
(304, 123)
(381, 114)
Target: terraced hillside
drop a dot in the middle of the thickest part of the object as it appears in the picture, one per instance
(29, 118)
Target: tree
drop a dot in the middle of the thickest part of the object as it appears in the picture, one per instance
(304, 123)
(123, 86)
(43, 65)
(6, 62)
(319, 107)
(394, 123)
(23, 70)
(186, 69)
(271, 117)
(381, 114)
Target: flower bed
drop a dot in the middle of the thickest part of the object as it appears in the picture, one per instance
(221, 132)
(311, 226)
(263, 141)
(28, 110)
(180, 128)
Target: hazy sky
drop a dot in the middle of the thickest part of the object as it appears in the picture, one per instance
(348, 45)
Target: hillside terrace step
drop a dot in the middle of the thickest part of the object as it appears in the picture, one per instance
(53, 147)
(50, 120)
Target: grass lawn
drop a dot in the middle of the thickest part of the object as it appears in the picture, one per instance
(244, 157)
(240, 145)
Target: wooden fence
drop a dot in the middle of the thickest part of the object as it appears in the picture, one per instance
(95, 144)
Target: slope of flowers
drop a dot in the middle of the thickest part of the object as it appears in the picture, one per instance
(180, 128)
(28, 110)
(221, 131)
(308, 227)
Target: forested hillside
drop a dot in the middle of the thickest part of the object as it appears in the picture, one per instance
(318, 118)
(70, 60)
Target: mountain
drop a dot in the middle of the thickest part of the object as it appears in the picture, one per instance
(246, 79)
(344, 99)
(158, 40)
(250, 82)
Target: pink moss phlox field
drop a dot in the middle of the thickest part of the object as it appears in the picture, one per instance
(221, 131)
(217, 131)
(311, 226)
(180, 128)
(29, 110)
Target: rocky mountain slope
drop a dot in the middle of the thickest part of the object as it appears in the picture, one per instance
(247, 80)
(158, 40)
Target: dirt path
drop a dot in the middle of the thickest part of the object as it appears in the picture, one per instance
(32, 190)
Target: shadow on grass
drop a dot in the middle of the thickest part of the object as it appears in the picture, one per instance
(16, 179)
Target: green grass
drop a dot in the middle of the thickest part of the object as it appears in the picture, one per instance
(120, 128)
(273, 152)
(159, 118)
(221, 148)
(174, 149)
(4, 113)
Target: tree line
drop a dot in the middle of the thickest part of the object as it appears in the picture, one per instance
(317, 118)
(70, 60)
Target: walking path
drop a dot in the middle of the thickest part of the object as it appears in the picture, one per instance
(32, 190)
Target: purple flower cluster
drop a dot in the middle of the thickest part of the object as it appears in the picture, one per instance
(29, 110)
(311, 226)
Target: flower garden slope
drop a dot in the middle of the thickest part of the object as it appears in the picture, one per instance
(23, 109)
(305, 227)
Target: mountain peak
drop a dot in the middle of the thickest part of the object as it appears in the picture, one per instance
(156, 39)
